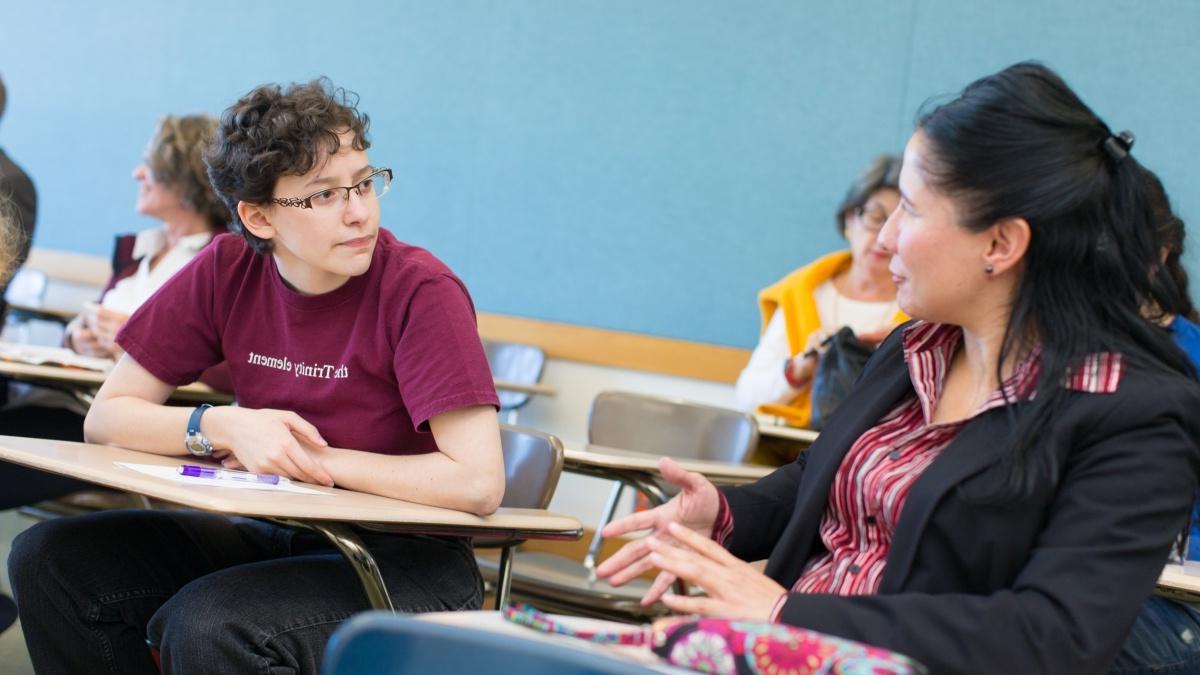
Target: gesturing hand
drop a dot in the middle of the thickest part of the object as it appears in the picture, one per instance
(734, 588)
(266, 441)
(694, 508)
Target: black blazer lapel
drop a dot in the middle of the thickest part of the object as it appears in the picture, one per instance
(978, 444)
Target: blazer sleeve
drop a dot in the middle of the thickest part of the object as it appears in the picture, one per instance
(761, 511)
(1119, 505)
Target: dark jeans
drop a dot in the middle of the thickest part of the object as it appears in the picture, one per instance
(1165, 639)
(215, 594)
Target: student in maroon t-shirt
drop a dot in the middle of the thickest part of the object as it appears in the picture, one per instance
(356, 362)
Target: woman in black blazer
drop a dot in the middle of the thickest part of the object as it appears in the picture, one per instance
(1002, 489)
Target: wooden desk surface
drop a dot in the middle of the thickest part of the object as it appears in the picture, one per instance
(1179, 584)
(601, 457)
(769, 425)
(196, 391)
(97, 464)
(59, 314)
(537, 388)
(92, 379)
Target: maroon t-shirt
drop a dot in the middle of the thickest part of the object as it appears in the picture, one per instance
(368, 364)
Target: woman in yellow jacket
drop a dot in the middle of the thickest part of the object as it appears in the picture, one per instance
(846, 288)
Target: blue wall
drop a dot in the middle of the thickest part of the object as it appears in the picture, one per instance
(633, 164)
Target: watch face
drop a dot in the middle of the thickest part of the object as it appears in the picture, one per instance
(198, 445)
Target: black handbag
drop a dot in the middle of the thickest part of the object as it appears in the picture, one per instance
(837, 371)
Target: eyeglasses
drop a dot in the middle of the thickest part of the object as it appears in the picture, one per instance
(872, 220)
(372, 187)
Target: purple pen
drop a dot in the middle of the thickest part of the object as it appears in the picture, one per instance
(193, 471)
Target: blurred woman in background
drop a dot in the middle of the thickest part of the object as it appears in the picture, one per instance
(173, 187)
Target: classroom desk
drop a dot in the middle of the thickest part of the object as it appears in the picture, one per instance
(83, 381)
(1176, 584)
(770, 425)
(640, 471)
(80, 379)
(535, 388)
(331, 514)
(54, 314)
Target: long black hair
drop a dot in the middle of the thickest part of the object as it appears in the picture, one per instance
(1020, 143)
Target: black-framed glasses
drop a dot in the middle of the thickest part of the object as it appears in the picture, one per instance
(372, 187)
(871, 220)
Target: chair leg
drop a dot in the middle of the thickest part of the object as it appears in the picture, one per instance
(351, 547)
(504, 576)
(610, 508)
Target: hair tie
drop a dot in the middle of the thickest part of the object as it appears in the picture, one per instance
(1119, 144)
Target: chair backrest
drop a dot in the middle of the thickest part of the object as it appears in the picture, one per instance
(671, 427)
(28, 288)
(382, 643)
(532, 463)
(514, 362)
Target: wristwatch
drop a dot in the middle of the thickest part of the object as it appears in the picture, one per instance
(194, 441)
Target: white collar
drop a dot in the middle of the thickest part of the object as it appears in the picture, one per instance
(148, 243)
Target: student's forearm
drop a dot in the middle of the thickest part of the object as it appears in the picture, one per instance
(432, 478)
(131, 422)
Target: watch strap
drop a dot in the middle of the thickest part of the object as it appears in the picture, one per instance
(194, 439)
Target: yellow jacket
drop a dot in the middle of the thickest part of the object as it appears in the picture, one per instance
(794, 295)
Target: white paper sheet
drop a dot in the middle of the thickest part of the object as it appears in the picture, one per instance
(39, 355)
(171, 473)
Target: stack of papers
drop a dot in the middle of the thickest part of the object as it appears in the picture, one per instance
(40, 355)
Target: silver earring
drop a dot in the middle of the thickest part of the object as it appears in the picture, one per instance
(988, 269)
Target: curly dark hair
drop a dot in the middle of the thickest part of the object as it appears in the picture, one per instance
(274, 131)
(175, 158)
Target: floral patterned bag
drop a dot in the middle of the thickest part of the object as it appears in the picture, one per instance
(729, 647)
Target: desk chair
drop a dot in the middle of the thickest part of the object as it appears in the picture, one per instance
(27, 291)
(532, 463)
(641, 423)
(387, 644)
(514, 362)
(27, 287)
(665, 427)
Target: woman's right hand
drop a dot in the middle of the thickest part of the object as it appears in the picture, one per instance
(266, 441)
(84, 341)
(804, 365)
(695, 507)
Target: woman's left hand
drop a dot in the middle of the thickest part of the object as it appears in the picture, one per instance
(736, 590)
